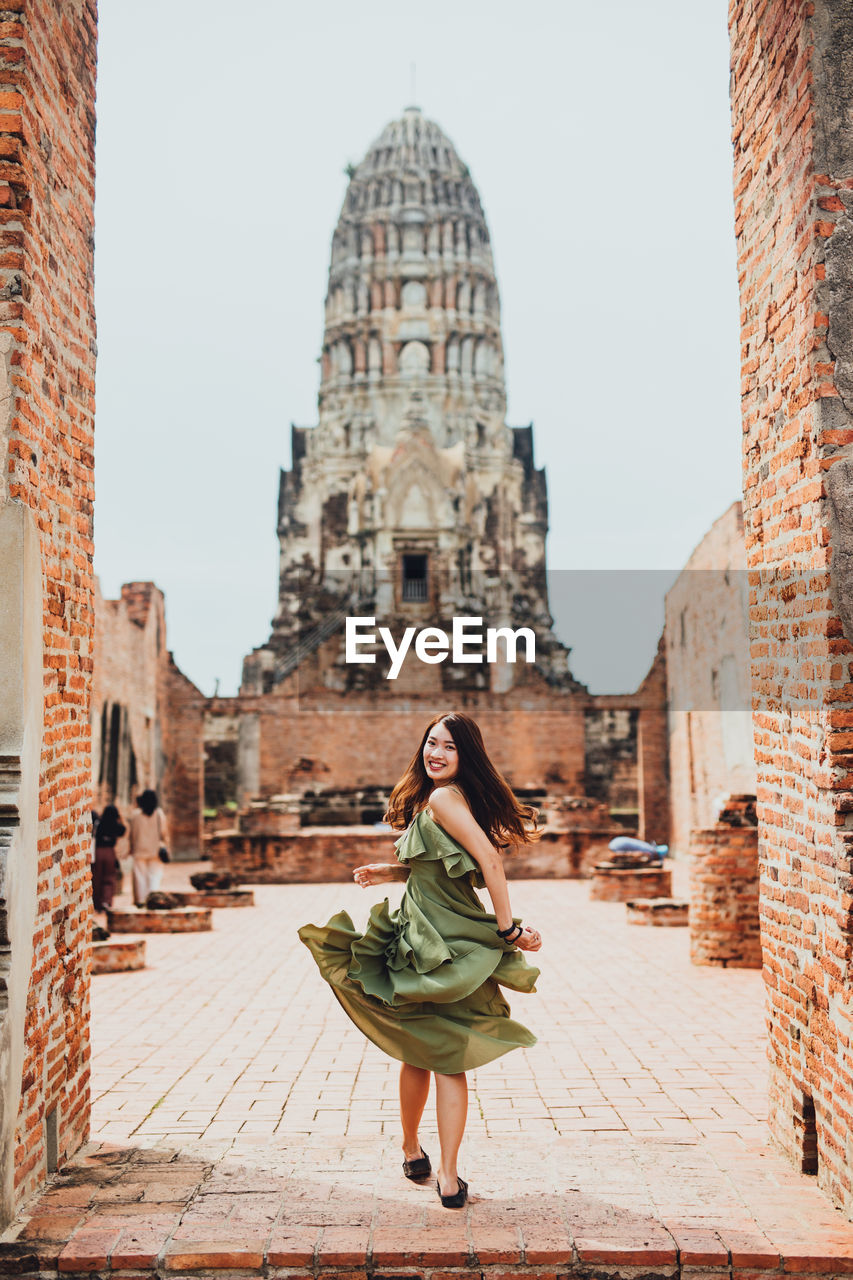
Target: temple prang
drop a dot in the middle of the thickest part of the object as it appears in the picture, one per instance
(411, 498)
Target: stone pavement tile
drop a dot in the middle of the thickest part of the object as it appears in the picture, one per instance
(817, 1256)
(698, 1246)
(218, 1254)
(626, 1250)
(51, 1225)
(749, 1247)
(293, 1246)
(546, 1239)
(138, 1209)
(494, 1240)
(63, 1197)
(430, 1246)
(141, 1244)
(88, 1249)
(343, 1246)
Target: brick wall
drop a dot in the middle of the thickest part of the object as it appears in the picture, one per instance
(792, 88)
(182, 785)
(706, 636)
(129, 649)
(146, 715)
(323, 740)
(47, 341)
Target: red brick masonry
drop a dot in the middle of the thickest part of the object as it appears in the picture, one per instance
(142, 1212)
(724, 927)
(619, 884)
(180, 920)
(325, 855)
(118, 957)
(657, 911)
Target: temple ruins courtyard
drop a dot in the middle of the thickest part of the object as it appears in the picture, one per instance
(241, 1125)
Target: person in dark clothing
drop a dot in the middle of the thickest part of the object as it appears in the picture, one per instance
(108, 832)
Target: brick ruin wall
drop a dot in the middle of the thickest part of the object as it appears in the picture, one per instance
(182, 709)
(321, 740)
(706, 638)
(126, 746)
(147, 717)
(325, 855)
(47, 343)
(792, 90)
(647, 714)
(303, 738)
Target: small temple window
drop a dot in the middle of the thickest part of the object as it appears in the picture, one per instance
(414, 577)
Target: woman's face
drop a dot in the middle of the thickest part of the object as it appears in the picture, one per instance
(440, 757)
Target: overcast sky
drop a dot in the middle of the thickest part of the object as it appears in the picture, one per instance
(599, 139)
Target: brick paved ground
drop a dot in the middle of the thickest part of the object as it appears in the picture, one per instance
(240, 1120)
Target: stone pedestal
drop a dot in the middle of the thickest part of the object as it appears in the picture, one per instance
(118, 957)
(724, 897)
(612, 883)
(668, 912)
(179, 921)
(216, 898)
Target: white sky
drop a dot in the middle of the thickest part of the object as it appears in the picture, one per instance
(599, 139)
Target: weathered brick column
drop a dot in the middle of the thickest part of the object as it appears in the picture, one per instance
(792, 110)
(724, 897)
(47, 384)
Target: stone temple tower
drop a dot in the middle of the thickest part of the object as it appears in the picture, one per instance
(411, 499)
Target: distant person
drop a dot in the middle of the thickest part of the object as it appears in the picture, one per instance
(109, 829)
(149, 840)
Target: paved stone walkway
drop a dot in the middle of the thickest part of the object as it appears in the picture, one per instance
(240, 1122)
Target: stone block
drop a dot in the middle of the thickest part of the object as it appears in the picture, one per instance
(216, 898)
(666, 912)
(182, 920)
(620, 884)
(118, 957)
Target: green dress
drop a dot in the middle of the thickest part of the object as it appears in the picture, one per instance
(422, 982)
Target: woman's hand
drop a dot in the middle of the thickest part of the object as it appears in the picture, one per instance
(376, 873)
(530, 940)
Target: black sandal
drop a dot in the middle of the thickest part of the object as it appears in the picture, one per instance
(418, 1170)
(458, 1198)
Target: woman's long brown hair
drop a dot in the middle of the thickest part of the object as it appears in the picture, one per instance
(503, 818)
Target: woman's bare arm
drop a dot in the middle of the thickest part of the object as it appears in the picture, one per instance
(379, 873)
(458, 821)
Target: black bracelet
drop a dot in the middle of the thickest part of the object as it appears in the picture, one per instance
(505, 933)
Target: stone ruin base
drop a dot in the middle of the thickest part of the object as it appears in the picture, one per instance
(614, 882)
(180, 920)
(724, 921)
(322, 855)
(217, 899)
(670, 912)
(118, 957)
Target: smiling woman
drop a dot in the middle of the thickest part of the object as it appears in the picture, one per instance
(423, 982)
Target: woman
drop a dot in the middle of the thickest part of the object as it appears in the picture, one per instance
(108, 831)
(148, 835)
(422, 982)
